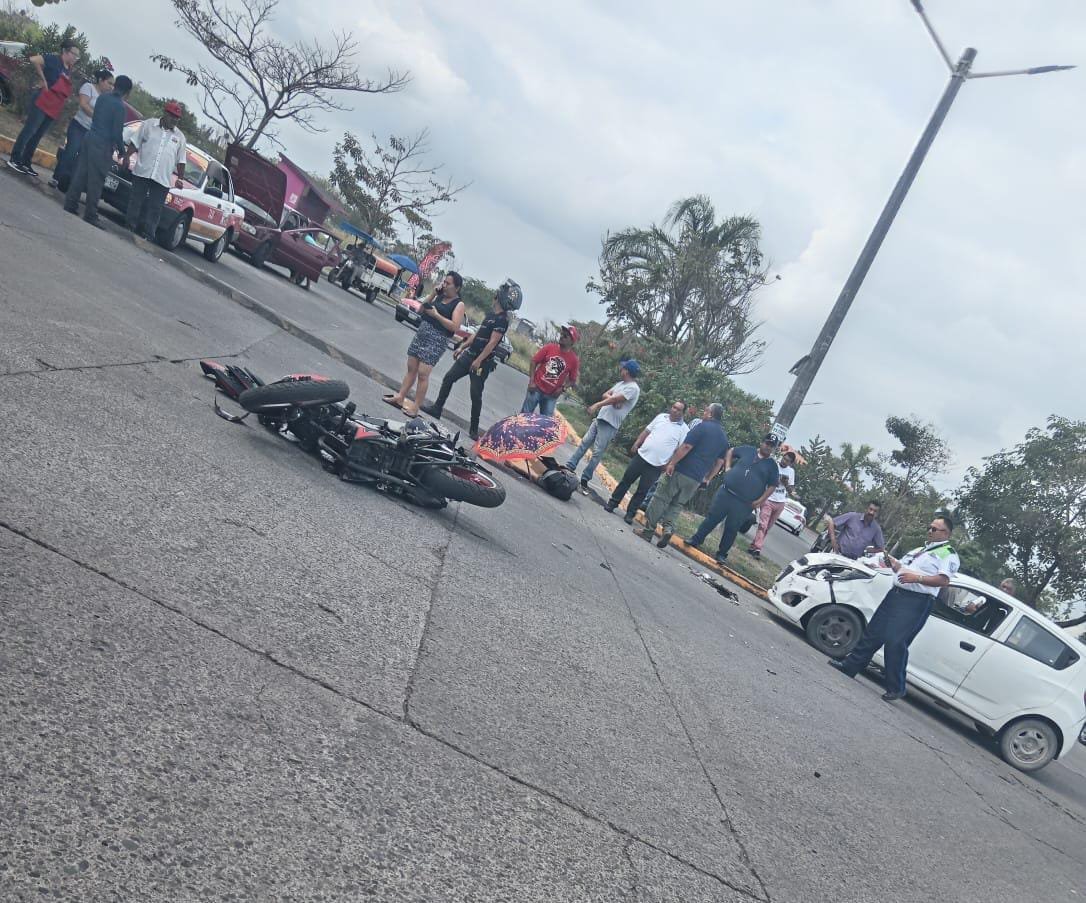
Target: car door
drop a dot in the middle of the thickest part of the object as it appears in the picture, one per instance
(1023, 673)
(955, 638)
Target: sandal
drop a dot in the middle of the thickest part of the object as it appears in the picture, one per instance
(409, 412)
(390, 399)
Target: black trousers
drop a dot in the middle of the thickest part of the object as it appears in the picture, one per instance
(91, 169)
(462, 367)
(645, 474)
(895, 624)
(145, 206)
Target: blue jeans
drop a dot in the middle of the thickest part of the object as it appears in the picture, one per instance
(546, 403)
(36, 125)
(66, 161)
(599, 436)
(895, 624)
(730, 509)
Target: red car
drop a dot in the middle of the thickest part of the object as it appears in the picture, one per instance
(271, 232)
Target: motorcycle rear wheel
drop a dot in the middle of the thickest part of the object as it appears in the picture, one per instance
(301, 393)
(462, 484)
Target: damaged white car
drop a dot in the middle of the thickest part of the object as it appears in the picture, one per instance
(982, 653)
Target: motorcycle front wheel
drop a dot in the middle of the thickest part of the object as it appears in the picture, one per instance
(463, 484)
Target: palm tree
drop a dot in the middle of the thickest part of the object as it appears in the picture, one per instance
(689, 281)
(854, 462)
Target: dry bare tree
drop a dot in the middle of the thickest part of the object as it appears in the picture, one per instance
(392, 182)
(262, 80)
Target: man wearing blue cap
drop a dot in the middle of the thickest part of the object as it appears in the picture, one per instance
(610, 411)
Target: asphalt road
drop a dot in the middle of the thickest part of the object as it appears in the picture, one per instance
(226, 675)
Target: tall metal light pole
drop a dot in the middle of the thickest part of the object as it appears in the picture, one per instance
(806, 368)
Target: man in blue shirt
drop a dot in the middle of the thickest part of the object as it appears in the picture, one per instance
(106, 134)
(751, 477)
(693, 465)
(54, 85)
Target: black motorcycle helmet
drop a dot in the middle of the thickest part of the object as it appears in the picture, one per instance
(510, 295)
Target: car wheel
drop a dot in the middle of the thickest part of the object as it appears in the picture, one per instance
(1028, 744)
(260, 254)
(174, 236)
(214, 250)
(835, 630)
(371, 295)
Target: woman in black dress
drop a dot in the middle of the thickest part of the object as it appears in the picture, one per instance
(442, 313)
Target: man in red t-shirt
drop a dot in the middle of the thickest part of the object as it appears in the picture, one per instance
(555, 367)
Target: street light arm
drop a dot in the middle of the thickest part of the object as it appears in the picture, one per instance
(927, 24)
(1033, 70)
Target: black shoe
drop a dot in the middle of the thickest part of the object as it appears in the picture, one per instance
(629, 519)
(30, 171)
(893, 697)
(689, 544)
(94, 222)
(722, 561)
(18, 167)
(664, 540)
(433, 411)
(474, 433)
(839, 664)
(74, 211)
(53, 183)
(609, 506)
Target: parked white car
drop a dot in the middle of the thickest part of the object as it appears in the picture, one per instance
(793, 517)
(983, 653)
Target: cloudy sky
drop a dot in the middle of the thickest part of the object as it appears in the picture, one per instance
(574, 118)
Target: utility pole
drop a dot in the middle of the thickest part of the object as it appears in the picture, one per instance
(807, 367)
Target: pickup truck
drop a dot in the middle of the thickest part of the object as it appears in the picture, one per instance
(202, 209)
(271, 232)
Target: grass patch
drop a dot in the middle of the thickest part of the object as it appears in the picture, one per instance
(762, 571)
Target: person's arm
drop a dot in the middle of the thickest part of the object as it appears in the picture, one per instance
(681, 452)
(758, 502)
(450, 323)
(728, 460)
(495, 338)
(617, 400)
(38, 62)
(85, 102)
(905, 576)
(117, 126)
(182, 155)
(639, 441)
(718, 465)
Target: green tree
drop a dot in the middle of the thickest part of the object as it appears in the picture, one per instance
(1028, 506)
(855, 461)
(819, 482)
(690, 281)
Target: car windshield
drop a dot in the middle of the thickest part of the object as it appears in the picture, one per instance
(195, 167)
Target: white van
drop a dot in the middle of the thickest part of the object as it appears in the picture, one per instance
(983, 653)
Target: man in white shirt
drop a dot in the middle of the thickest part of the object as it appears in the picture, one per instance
(773, 506)
(918, 577)
(160, 163)
(610, 411)
(652, 450)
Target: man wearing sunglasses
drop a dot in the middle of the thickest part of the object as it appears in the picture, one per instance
(918, 577)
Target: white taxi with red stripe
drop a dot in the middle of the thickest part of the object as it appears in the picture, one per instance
(203, 209)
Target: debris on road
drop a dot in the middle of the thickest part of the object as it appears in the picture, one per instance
(717, 585)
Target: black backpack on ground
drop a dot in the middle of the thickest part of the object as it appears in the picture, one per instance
(559, 483)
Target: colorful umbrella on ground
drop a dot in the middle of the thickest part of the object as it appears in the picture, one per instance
(521, 436)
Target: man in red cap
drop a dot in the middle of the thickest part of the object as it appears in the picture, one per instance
(160, 163)
(555, 367)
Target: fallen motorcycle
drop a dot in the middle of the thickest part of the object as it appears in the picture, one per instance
(416, 460)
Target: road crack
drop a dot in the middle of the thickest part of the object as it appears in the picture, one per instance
(46, 367)
(729, 824)
(401, 719)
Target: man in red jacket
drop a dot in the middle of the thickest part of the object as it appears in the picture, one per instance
(555, 367)
(54, 86)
